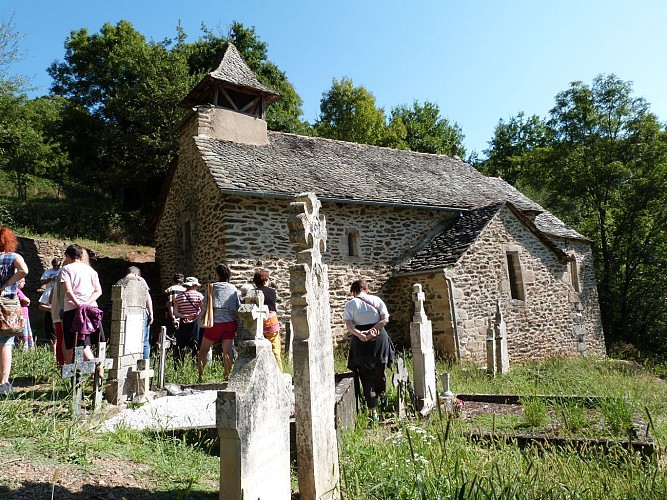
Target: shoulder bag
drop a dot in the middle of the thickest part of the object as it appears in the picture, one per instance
(207, 319)
(11, 317)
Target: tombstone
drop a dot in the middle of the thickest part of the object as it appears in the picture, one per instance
(502, 356)
(400, 380)
(163, 344)
(75, 371)
(289, 341)
(446, 390)
(105, 364)
(142, 380)
(126, 341)
(491, 367)
(580, 332)
(315, 393)
(252, 415)
(423, 356)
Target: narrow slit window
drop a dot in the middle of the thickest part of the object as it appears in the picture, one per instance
(515, 278)
(187, 235)
(352, 243)
(574, 275)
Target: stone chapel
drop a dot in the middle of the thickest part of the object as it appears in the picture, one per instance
(394, 217)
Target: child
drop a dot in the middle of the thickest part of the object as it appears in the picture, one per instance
(25, 337)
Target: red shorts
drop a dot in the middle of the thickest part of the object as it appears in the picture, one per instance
(221, 331)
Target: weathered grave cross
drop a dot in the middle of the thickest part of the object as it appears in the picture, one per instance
(74, 371)
(400, 381)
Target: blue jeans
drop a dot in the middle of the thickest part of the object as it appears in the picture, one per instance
(147, 337)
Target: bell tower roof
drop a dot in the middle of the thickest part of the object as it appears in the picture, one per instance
(232, 85)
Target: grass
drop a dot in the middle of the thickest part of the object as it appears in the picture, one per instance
(420, 459)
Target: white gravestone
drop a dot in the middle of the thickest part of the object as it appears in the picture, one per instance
(423, 356)
(125, 342)
(315, 389)
(252, 416)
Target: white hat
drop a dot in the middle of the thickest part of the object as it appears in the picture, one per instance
(191, 281)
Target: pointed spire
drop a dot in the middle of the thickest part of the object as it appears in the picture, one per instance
(231, 73)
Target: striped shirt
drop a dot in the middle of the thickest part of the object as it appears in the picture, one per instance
(189, 303)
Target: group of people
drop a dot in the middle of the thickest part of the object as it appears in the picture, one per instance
(186, 306)
(69, 302)
(72, 317)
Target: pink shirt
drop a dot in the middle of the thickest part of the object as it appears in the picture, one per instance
(84, 282)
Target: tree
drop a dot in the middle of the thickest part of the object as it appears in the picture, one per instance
(349, 113)
(123, 94)
(10, 52)
(425, 130)
(601, 162)
(510, 149)
(28, 145)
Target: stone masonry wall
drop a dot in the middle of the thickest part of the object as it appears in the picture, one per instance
(540, 326)
(247, 233)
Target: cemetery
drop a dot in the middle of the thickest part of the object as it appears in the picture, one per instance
(293, 435)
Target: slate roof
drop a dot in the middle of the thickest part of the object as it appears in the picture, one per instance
(345, 171)
(234, 72)
(448, 247)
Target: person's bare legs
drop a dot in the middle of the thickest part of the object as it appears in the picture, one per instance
(227, 356)
(202, 356)
(5, 363)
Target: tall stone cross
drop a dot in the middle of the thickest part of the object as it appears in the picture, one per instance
(314, 381)
(74, 371)
(423, 355)
(252, 415)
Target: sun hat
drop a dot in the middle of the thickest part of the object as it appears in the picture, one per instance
(191, 281)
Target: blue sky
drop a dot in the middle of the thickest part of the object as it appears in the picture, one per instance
(479, 60)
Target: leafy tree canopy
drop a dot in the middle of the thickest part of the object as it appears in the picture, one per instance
(425, 130)
(349, 113)
(10, 52)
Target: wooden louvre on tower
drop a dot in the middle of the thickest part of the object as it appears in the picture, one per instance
(232, 85)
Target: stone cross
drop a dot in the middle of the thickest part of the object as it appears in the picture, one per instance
(74, 371)
(418, 297)
(491, 367)
(252, 416)
(102, 364)
(143, 376)
(400, 380)
(423, 355)
(314, 379)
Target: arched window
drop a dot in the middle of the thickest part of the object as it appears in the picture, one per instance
(352, 243)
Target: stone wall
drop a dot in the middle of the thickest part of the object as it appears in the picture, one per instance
(540, 326)
(201, 227)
